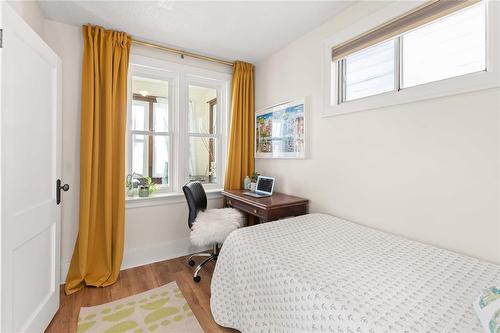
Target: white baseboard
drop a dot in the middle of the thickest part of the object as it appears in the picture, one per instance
(149, 254)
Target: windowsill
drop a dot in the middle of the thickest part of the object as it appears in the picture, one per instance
(453, 86)
(165, 198)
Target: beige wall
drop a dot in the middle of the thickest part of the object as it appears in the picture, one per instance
(31, 13)
(427, 170)
(151, 233)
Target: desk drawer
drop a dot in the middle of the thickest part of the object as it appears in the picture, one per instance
(246, 208)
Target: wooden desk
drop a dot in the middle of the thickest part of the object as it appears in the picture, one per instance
(266, 209)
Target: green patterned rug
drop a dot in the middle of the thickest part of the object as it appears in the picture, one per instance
(160, 310)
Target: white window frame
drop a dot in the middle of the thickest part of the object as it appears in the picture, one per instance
(220, 127)
(451, 86)
(179, 77)
(172, 80)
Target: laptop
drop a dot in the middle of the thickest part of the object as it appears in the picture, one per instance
(264, 187)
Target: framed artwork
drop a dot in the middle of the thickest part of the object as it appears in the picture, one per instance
(280, 131)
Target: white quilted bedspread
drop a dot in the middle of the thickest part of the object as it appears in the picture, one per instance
(319, 273)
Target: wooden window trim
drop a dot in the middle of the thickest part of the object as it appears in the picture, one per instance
(211, 149)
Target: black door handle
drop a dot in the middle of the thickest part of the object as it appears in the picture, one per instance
(64, 187)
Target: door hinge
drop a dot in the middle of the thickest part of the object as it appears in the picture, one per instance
(1, 38)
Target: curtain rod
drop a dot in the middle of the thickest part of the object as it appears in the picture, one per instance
(181, 52)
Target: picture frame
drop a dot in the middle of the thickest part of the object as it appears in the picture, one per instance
(280, 130)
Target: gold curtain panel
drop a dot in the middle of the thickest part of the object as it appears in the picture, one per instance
(240, 160)
(98, 252)
(417, 17)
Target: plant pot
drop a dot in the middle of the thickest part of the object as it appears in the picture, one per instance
(143, 191)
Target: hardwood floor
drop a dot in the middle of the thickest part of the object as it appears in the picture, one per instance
(137, 280)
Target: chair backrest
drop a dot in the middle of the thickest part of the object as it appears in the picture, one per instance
(196, 199)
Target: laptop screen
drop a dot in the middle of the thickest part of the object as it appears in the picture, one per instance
(265, 185)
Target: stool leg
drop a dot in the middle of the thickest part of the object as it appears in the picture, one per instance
(190, 260)
(196, 277)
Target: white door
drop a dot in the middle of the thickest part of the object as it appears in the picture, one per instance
(30, 97)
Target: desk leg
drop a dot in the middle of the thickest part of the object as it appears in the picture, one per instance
(252, 220)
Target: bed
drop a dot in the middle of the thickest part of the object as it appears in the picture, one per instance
(320, 273)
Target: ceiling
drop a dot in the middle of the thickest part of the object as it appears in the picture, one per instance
(244, 30)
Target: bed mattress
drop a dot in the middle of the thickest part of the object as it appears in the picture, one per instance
(320, 273)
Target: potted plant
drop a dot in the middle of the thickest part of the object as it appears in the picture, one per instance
(138, 184)
(147, 188)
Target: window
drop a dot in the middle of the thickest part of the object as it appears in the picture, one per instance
(177, 124)
(203, 135)
(368, 72)
(149, 130)
(412, 52)
(452, 46)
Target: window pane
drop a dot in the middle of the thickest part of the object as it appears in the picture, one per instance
(150, 104)
(370, 72)
(140, 112)
(160, 159)
(160, 111)
(202, 159)
(452, 46)
(201, 113)
(154, 165)
(140, 154)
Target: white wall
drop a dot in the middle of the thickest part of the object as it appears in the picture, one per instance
(427, 170)
(31, 13)
(151, 233)
(67, 42)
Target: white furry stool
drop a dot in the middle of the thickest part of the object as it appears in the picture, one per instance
(214, 225)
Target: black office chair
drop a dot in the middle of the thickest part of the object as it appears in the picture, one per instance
(196, 199)
(208, 227)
